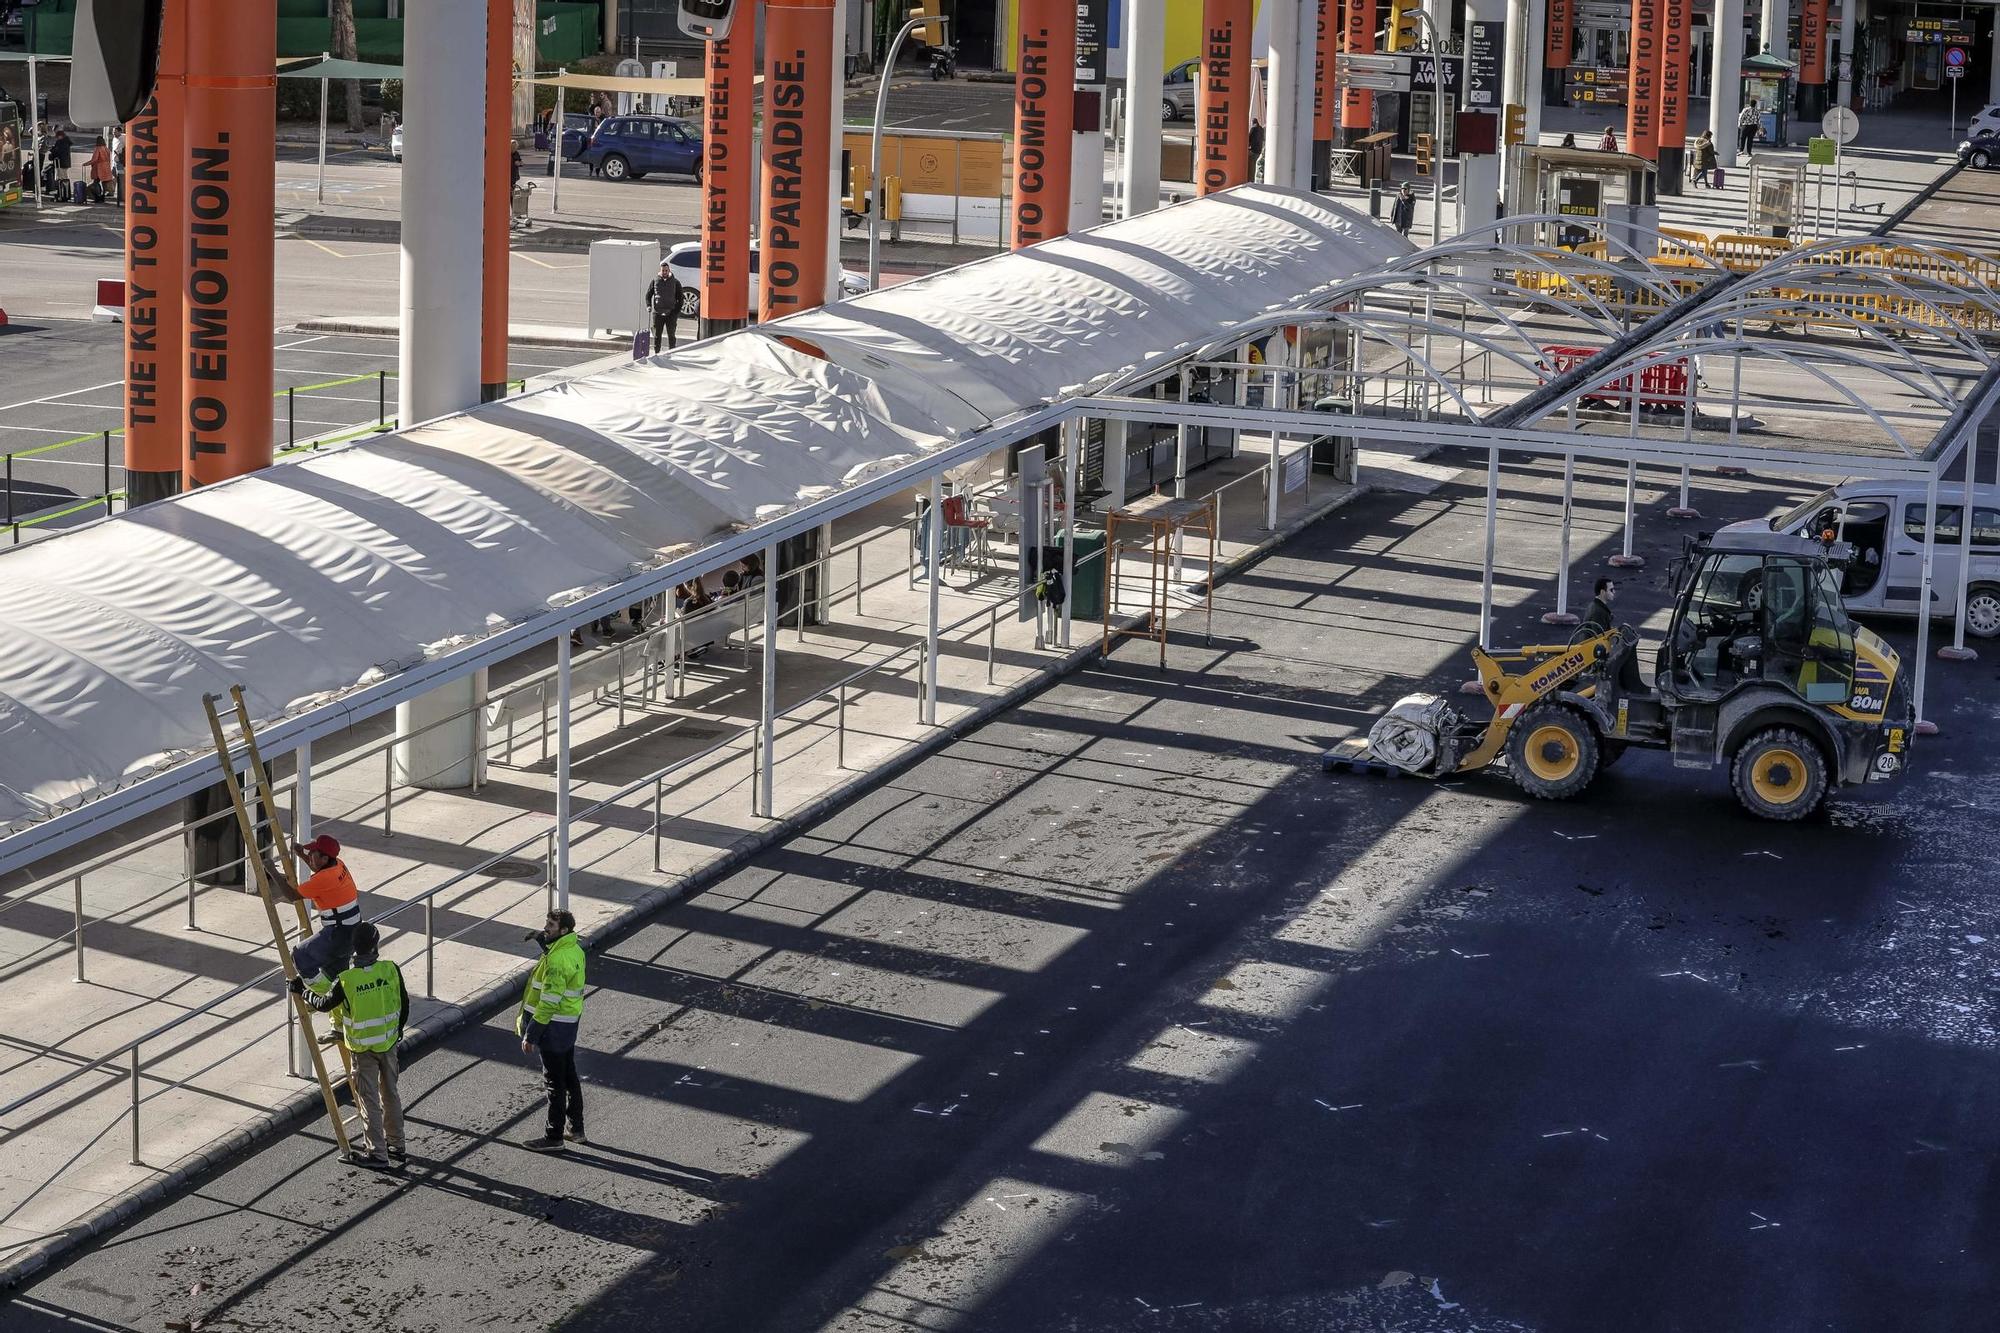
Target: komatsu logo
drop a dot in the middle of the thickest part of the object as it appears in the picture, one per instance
(1556, 672)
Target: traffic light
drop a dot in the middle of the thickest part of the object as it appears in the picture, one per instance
(1423, 154)
(932, 33)
(1516, 130)
(114, 60)
(1406, 26)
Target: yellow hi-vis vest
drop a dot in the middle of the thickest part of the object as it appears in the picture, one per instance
(374, 996)
(555, 988)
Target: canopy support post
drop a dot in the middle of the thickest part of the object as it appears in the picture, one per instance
(1926, 727)
(936, 521)
(1625, 559)
(1562, 615)
(1956, 651)
(562, 768)
(768, 686)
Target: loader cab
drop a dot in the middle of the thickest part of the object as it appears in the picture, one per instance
(1762, 613)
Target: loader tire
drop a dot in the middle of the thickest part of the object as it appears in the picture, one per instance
(1779, 774)
(1552, 752)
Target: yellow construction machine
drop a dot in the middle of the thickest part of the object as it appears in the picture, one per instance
(1761, 671)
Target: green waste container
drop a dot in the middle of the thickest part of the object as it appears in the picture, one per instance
(1087, 595)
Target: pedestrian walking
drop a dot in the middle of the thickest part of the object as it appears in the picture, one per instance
(1609, 143)
(663, 297)
(330, 889)
(378, 1009)
(1748, 123)
(118, 164)
(1704, 160)
(100, 171)
(1256, 149)
(62, 157)
(551, 1013)
(1403, 215)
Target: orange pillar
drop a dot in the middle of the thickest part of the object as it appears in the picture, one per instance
(729, 109)
(1812, 41)
(1559, 38)
(155, 241)
(1044, 119)
(798, 156)
(496, 221)
(1642, 115)
(1357, 105)
(1672, 94)
(230, 161)
(1222, 100)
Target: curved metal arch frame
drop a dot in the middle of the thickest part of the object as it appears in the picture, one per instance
(1872, 277)
(1451, 288)
(1533, 258)
(1598, 225)
(1602, 318)
(1834, 314)
(1367, 320)
(1771, 305)
(1804, 256)
(1638, 365)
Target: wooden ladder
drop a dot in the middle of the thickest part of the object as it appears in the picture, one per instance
(262, 873)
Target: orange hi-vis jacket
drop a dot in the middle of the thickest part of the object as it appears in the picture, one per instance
(332, 891)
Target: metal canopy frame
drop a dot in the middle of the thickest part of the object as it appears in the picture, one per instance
(1472, 272)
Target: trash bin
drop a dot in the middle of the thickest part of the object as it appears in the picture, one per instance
(1087, 592)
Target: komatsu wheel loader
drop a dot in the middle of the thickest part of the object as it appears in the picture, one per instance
(1761, 671)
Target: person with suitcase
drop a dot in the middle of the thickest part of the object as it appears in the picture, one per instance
(1704, 160)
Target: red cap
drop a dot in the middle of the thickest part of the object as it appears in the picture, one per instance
(325, 844)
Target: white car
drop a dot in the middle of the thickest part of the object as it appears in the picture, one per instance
(686, 261)
(1989, 119)
(396, 142)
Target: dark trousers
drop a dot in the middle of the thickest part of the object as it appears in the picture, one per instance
(664, 323)
(325, 954)
(565, 1092)
(1744, 139)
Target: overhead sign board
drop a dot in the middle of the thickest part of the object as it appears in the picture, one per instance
(1486, 43)
(1919, 31)
(1093, 19)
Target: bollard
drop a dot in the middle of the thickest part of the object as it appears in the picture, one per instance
(107, 471)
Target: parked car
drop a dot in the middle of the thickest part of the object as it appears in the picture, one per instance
(396, 141)
(1988, 119)
(1982, 150)
(630, 147)
(1177, 90)
(1884, 522)
(576, 133)
(686, 261)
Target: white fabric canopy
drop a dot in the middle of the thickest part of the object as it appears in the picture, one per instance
(317, 577)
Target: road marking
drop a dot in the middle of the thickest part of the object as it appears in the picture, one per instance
(323, 248)
(530, 259)
(30, 402)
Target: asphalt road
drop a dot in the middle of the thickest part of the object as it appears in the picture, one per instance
(1119, 1014)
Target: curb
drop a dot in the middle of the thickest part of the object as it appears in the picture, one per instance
(448, 1019)
(388, 329)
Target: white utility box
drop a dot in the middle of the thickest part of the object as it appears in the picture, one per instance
(619, 272)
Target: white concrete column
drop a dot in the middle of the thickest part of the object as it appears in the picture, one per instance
(1114, 463)
(1492, 538)
(438, 364)
(443, 113)
(1534, 61)
(1777, 28)
(934, 521)
(1994, 87)
(1145, 64)
(1849, 12)
(1086, 178)
(837, 116)
(1725, 94)
(562, 763)
(1072, 442)
(1514, 69)
(1281, 110)
(1479, 196)
(767, 687)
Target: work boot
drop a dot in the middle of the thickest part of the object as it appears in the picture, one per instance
(546, 1143)
(398, 1156)
(575, 1135)
(369, 1161)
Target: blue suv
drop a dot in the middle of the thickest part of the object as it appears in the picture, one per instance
(628, 147)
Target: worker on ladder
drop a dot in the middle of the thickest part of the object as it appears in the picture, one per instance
(330, 889)
(378, 1008)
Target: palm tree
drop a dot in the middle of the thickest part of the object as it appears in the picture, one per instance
(345, 47)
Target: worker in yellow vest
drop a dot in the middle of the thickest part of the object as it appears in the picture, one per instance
(551, 1012)
(378, 1008)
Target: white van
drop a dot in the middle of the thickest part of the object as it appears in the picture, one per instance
(1884, 522)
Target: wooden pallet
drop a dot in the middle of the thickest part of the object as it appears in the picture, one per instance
(1353, 756)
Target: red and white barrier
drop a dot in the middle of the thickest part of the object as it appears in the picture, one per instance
(110, 307)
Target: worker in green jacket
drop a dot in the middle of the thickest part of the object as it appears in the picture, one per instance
(551, 1011)
(377, 1008)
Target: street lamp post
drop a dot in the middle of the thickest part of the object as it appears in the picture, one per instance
(875, 145)
(1437, 129)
